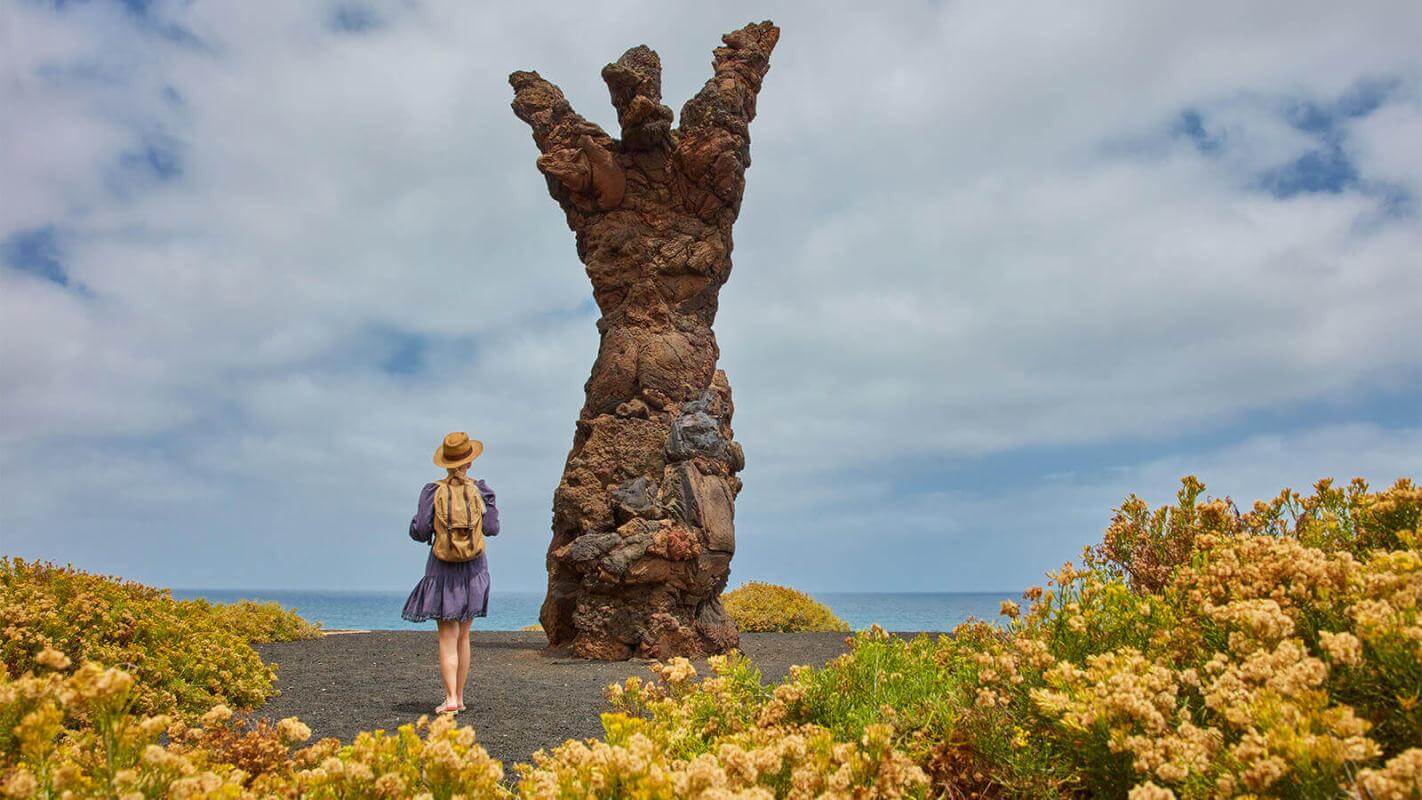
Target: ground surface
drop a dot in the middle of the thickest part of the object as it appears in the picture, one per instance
(518, 699)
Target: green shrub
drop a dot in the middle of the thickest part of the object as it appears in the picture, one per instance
(1198, 653)
(74, 735)
(185, 657)
(256, 622)
(763, 607)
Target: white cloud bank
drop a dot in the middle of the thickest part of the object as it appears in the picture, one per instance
(296, 256)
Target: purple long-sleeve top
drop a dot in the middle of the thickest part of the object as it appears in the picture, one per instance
(422, 526)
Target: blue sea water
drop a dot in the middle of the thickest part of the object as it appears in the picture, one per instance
(935, 611)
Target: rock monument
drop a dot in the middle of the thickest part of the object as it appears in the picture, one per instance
(643, 529)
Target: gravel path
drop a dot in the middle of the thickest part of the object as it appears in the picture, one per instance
(518, 699)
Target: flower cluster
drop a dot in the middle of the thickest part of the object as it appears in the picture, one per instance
(723, 737)
(74, 736)
(762, 764)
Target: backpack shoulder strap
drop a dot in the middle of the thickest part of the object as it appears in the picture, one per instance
(441, 499)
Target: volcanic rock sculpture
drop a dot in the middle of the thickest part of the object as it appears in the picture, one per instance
(643, 529)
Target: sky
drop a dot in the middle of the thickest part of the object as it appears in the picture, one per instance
(997, 267)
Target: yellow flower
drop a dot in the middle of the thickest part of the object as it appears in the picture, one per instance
(1149, 791)
(292, 730)
(52, 658)
(22, 784)
(217, 715)
(1343, 648)
(1399, 779)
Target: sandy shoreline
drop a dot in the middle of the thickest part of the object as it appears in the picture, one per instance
(518, 699)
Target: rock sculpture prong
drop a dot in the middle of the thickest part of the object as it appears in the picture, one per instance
(577, 154)
(635, 83)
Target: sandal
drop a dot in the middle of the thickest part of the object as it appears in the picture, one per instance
(447, 709)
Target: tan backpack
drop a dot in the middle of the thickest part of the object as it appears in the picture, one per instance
(458, 520)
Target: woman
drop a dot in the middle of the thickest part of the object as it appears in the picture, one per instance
(454, 516)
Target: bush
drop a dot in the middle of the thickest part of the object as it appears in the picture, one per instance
(184, 656)
(255, 622)
(1198, 653)
(727, 736)
(764, 607)
(75, 736)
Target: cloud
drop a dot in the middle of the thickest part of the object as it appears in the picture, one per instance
(256, 264)
(937, 528)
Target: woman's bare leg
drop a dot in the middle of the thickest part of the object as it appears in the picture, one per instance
(463, 671)
(449, 659)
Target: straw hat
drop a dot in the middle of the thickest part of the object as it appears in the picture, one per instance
(457, 450)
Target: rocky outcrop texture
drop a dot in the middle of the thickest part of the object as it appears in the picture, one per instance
(643, 529)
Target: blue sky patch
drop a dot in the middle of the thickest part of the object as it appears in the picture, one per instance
(138, 8)
(1394, 201)
(36, 252)
(1326, 169)
(351, 18)
(1191, 125)
(141, 12)
(404, 352)
(1322, 120)
(157, 157)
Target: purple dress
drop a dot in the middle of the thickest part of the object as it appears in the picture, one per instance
(450, 590)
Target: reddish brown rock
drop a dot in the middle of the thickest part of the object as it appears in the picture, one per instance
(643, 520)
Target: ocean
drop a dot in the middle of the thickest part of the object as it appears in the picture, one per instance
(895, 611)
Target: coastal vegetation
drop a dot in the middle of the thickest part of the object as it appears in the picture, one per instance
(764, 607)
(184, 656)
(1197, 652)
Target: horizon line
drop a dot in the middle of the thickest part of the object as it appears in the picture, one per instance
(543, 591)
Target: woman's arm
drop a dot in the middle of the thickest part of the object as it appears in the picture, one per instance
(491, 512)
(422, 526)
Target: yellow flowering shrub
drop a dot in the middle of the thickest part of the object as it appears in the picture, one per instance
(727, 736)
(1147, 546)
(1204, 653)
(760, 764)
(764, 607)
(1197, 652)
(184, 656)
(253, 621)
(75, 735)
(686, 717)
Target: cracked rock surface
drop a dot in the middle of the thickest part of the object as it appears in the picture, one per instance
(643, 518)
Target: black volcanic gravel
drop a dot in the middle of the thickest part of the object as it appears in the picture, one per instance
(518, 699)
